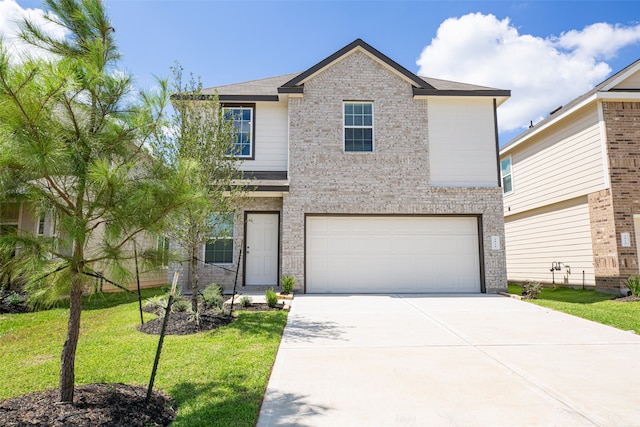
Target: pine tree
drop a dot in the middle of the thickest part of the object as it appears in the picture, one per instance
(73, 141)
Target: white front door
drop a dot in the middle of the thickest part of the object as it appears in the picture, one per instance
(262, 249)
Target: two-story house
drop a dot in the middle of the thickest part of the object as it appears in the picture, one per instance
(571, 190)
(367, 179)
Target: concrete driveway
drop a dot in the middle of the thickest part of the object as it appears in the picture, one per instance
(426, 360)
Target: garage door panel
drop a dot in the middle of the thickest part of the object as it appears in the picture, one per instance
(392, 254)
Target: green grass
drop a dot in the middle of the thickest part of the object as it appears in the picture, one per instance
(590, 305)
(217, 378)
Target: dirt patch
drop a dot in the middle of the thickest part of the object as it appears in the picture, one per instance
(631, 298)
(105, 405)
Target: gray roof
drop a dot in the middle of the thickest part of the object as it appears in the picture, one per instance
(451, 85)
(269, 88)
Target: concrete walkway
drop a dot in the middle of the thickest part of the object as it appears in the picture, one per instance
(473, 360)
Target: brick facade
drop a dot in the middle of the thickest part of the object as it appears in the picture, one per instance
(394, 179)
(612, 211)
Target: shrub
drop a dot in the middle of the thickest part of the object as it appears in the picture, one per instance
(272, 298)
(14, 299)
(531, 289)
(245, 301)
(180, 305)
(212, 296)
(287, 284)
(157, 302)
(633, 283)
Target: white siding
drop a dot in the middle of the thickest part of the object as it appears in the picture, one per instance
(631, 82)
(462, 145)
(271, 138)
(557, 165)
(560, 232)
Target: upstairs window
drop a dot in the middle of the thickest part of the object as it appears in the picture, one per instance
(505, 171)
(242, 118)
(219, 250)
(358, 126)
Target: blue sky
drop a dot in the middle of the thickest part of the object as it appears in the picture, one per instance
(546, 52)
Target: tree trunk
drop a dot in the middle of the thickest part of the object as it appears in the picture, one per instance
(67, 363)
(194, 280)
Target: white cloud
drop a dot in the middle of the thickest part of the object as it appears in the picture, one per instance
(542, 73)
(11, 14)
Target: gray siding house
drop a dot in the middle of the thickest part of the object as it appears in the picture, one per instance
(366, 179)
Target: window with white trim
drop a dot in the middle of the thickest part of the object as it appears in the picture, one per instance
(242, 118)
(219, 250)
(358, 126)
(507, 177)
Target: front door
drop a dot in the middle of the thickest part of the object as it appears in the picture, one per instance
(261, 250)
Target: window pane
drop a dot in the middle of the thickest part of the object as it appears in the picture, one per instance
(219, 251)
(506, 184)
(506, 166)
(348, 109)
(242, 119)
(358, 131)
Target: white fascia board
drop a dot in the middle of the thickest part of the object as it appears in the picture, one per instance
(621, 96)
(499, 99)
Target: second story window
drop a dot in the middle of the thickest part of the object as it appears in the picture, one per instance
(507, 180)
(358, 126)
(242, 118)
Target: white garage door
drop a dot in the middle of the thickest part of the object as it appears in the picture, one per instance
(373, 254)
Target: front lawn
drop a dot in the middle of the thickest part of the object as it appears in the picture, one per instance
(590, 305)
(217, 378)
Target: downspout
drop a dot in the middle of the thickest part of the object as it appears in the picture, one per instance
(495, 132)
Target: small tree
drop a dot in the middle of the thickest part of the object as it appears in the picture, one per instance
(201, 136)
(72, 144)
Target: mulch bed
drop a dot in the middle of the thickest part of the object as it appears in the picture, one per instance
(182, 323)
(105, 405)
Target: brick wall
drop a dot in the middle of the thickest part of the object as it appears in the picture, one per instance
(613, 213)
(394, 179)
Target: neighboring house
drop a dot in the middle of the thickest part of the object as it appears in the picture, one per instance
(22, 216)
(366, 179)
(571, 190)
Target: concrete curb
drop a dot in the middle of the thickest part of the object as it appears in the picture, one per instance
(514, 296)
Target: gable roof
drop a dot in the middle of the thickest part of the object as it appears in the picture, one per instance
(269, 89)
(606, 89)
(295, 85)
